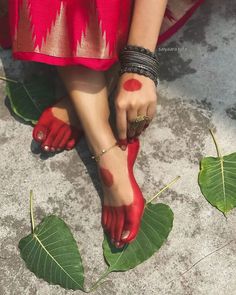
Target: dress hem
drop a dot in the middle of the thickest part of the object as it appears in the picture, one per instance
(179, 24)
(92, 63)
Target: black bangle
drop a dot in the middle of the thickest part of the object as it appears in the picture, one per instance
(140, 60)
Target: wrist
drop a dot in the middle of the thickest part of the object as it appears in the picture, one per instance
(139, 60)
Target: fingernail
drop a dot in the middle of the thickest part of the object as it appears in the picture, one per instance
(117, 244)
(46, 148)
(125, 234)
(123, 143)
(53, 149)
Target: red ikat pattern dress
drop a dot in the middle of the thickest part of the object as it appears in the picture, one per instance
(70, 32)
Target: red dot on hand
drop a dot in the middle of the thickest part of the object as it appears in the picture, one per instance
(132, 85)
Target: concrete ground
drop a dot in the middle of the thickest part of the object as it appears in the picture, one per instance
(198, 91)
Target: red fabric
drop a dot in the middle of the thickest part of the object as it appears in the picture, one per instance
(173, 29)
(70, 32)
(93, 63)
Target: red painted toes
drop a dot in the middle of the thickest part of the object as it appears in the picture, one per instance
(40, 133)
(54, 134)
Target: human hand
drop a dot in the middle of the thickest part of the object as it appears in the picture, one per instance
(136, 96)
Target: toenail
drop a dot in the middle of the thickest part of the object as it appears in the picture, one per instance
(40, 135)
(125, 234)
(46, 148)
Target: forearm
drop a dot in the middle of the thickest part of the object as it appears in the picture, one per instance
(146, 22)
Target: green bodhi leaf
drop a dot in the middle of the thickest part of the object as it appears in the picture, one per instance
(51, 253)
(217, 180)
(29, 99)
(155, 227)
(156, 224)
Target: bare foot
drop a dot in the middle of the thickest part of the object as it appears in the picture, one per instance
(58, 127)
(123, 202)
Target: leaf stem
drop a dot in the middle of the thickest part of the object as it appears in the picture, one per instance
(31, 210)
(216, 144)
(8, 80)
(162, 190)
(98, 282)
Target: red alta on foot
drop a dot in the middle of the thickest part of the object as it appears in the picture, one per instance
(122, 222)
(54, 134)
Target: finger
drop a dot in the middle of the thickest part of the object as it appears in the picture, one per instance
(151, 112)
(139, 129)
(121, 123)
(131, 116)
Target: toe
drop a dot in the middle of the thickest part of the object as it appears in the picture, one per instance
(59, 137)
(71, 144)
(42, 128)
(109, 221)
(48, 142)
(40, 133)
(104, 215)
(119, 223)
(132, 223)
(129, 234)
(65, 139)
(113, 225)
(74, 139)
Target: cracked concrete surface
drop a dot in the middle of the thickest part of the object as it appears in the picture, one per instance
(197, 91)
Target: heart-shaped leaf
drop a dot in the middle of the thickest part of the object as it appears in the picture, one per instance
(155, 227)
(29, 99)
(217, 179)
(52, 254)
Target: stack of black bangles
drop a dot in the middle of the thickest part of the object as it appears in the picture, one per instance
(140, 60)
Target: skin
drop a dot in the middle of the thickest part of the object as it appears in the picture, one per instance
(129, 105)
(91, 104)
(90, 101)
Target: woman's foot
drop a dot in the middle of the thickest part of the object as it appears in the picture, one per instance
(58, 127)
(123, 203)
